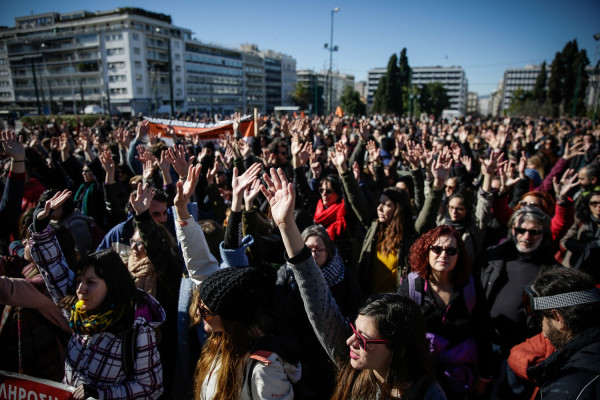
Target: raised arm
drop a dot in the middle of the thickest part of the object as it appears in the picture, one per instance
(323, 312)
(196, 254)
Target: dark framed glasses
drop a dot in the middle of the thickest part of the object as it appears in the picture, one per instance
(594, 203)
(362, 341)
(451, 251)
(532, 232)
(325, 191)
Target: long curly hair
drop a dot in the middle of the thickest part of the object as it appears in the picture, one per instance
(419, 255)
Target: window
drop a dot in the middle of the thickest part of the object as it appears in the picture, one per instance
(178, 56)
(178, 68)
(4, 73)
(139, 90)
(115, 65)
(115, 52)
(138, 77)
(138, 64)
(135, 36)
(117, 78)
(137, 51)
(118, 90)
(112, 38)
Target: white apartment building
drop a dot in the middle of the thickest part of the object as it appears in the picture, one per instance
(373, 77)
(129, 60)
(453, 79)
(122, 57)
(472, 103)
(515, 78)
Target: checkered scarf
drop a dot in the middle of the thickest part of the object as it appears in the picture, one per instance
(334, 271)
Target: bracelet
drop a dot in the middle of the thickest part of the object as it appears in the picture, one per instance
(182, 178)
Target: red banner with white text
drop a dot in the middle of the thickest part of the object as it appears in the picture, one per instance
(16, 387)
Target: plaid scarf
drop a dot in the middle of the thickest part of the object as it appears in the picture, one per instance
(84, 324)
(334, 271)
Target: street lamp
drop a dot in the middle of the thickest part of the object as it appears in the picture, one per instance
(331, 49)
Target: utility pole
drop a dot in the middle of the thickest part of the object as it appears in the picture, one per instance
(331, 49)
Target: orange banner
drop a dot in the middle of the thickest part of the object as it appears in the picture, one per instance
(166, 127)
(339, 112)
(15, 386)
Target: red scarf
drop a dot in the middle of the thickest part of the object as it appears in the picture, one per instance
(333, 218)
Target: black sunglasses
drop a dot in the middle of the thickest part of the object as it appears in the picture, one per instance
(451, 251)
(325, 191)
(532, 232)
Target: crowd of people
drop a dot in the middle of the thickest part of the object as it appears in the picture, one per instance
(332, 257)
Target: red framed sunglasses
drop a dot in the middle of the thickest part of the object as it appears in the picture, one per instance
(362, 341)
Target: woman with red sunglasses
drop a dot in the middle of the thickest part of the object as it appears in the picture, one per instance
(456, 315)
(384, 353)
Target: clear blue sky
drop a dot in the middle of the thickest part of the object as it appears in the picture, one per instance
(484, 37)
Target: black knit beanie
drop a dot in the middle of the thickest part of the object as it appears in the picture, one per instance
(235, 293)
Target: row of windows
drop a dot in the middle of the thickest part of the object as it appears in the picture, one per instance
(212, 70)
(4, 72)
(115, 65)
(5, 95)
(214, 90)
(118, 90)
(217, 80)
(213, 61)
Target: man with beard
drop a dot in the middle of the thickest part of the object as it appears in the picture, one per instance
(505, 270)
(569, 306)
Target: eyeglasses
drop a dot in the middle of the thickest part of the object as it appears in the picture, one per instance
(362, 341)
(317, 249)
(137, 243)
(594, 203)
(204, 312)
(325, 191)
(532, 232)
(529, 204)
(451, 251)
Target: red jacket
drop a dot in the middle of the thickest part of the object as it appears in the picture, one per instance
(531, 352)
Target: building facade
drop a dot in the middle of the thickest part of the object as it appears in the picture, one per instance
(472, 103)
(373, 77)
(129, 61)
(517, 78)
(453, 79)
(317, 84)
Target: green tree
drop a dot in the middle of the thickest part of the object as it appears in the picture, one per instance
(388, 96)
(539, 89)
(351, 102)
(568, 80)
(433, 98)
(404, 69)
(301, 96)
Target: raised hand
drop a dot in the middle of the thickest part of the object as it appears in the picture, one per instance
(140, 200)
(374, 154)
(176, 157)
(315, 166)
(488, 167)
(241, 182)
(340, 157)
(12, 145)
(243, 147)
(281, 197)
(250, 193)
(186, 189)
(440, 168)
(212, 173)
(148, 170)
(365, 129)
(163, 163)
(56, 201)
(574, 151)
(109, 166)
(568, 181)
(467, 162)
